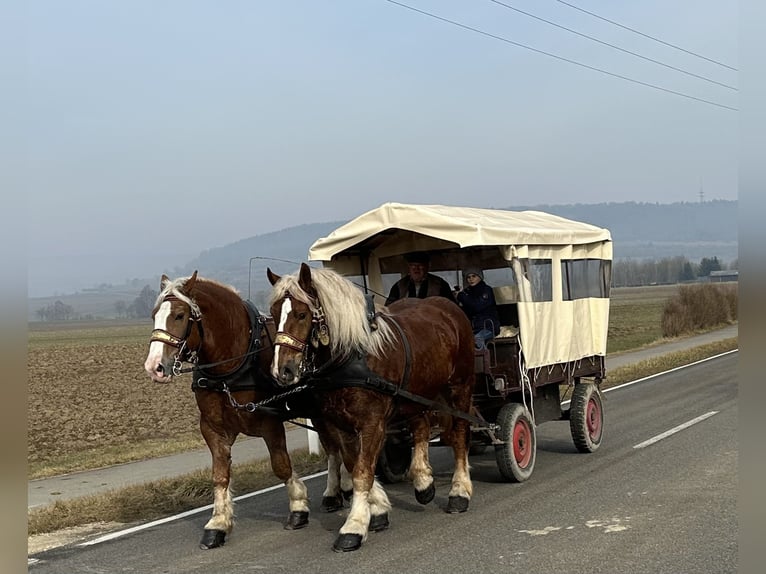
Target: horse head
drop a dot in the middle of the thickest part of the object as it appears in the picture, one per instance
(174, 338)
(302, 331)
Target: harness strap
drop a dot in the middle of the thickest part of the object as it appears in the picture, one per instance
(356, 373)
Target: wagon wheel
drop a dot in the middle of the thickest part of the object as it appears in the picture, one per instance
(516, 457)
(394, 461)
(586, 417)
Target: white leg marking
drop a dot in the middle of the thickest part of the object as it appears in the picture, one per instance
(359, 516)
(223, 510)
(421, 472)
(461, 481)
(346, 482)
(333, 475)
(379, 502)
(298, 494)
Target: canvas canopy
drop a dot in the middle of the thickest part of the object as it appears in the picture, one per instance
(461, 226)
(555, 328)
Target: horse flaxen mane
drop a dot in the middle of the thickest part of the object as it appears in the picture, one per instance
(345, 311)
(175, 287)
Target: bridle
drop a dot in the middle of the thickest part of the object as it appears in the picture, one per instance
(185, 354)
(319, 335)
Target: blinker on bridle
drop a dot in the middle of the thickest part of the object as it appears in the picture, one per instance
(167, 338)
(319, 333)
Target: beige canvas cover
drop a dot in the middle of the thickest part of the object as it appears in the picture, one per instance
(550, 332)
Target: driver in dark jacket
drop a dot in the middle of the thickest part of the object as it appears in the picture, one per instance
(478, 301)
(419, 282)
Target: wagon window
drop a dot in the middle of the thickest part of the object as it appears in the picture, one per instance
(583, 278)
(539, 274)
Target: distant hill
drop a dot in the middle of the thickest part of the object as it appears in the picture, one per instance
(639, 231)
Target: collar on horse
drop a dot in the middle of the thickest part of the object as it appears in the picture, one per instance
(202, 377)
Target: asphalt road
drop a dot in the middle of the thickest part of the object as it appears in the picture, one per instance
(669, 506)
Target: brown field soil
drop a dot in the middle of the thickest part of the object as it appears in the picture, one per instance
(87, 389)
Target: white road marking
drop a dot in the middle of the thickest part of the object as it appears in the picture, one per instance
(121, 533)
(674, 430)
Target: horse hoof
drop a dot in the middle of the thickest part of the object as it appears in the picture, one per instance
(457, 504)
(212, 539)
(379, 523)
(347, 542)
(297, 520)
(347, 494)
(332, 503)
(427, 495)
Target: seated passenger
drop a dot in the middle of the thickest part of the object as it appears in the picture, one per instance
(419, 282)
(478, 301)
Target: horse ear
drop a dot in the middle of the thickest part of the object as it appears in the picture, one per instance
(189, 285)
(304, 279)
(164, 280)
(273, 277)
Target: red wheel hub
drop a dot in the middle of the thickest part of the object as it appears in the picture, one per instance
(593, 418)
(522, 443)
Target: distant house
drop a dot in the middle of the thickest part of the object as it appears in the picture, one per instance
(723, 276)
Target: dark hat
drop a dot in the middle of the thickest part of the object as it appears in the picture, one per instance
(474, 271)
(417, 257)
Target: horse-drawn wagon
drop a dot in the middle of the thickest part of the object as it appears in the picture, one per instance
(551, 278)
(383, 383)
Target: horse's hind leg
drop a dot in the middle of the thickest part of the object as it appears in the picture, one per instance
(276, 442)
(222, 521)
(458, 437)
(420, 471)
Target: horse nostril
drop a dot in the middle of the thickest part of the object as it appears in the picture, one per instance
(160, 369)
(287, 374)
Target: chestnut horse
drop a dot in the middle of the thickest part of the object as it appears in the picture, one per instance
(328, 341)
(206, 323)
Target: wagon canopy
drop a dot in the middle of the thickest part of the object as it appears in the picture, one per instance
(381, 228)
(560, 269)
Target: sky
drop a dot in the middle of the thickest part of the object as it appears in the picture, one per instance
(156, 130)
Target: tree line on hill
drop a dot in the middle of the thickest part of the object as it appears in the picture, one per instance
(625, 273)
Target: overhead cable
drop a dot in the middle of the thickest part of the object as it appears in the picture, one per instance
(647, 35)
(637, 55)
(557, 57)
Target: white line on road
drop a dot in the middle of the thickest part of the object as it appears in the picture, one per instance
(674, 430)
(120, 533)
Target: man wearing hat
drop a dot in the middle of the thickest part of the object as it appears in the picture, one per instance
(478, 301)
(419, 282)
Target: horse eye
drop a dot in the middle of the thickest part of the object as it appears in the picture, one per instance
(301, 316)
(179, 317)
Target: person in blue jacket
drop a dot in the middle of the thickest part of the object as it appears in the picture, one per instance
(478, 301)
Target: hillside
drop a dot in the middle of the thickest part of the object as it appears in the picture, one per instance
(639, 231)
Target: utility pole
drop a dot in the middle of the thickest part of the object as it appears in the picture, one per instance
(702, 193)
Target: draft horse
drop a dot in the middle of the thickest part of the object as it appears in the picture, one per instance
(328, 340)
(206, 323)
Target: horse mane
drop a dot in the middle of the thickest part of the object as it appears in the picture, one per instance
(175, 287)
(345, 311)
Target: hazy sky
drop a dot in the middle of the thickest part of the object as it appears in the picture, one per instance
(158, 129)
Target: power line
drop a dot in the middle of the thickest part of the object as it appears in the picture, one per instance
(647, 35)
(637, 55)
(557, 57)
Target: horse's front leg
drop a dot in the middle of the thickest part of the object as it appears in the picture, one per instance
(276, 442)
(369, 504)
(222, 520)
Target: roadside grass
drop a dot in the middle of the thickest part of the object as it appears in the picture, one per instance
(161, 498)
(158, 499)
